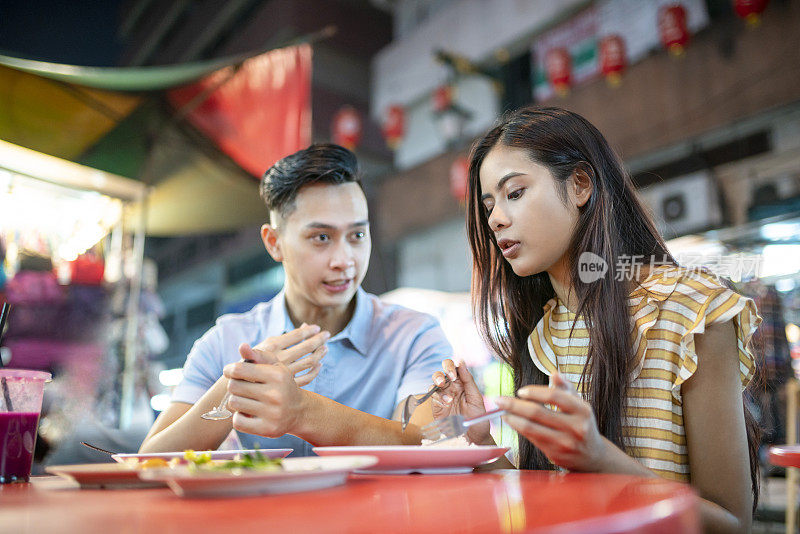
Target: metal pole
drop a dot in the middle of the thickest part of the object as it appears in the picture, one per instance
(129, 370)
(114, 269)
(792, 478)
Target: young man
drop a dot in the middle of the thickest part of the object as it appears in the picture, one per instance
(375, 354)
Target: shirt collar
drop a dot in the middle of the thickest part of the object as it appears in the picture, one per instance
(278, 318)
(356, 331)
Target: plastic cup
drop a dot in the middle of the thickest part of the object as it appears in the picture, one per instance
(20, 405)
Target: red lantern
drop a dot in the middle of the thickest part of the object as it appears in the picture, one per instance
(347, 128)
(613, 59)
(394, 126)
(750, 10)
(459, 178)
(559, 69)
(673, 28)
(442, 98)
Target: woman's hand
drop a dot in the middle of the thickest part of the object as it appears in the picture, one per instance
(461, 396)
(567, 435)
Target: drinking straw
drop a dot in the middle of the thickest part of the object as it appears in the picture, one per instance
(3, 318)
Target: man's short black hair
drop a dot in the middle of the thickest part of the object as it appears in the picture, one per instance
(320, 163)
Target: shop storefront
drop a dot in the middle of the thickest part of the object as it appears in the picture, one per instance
(72, 273)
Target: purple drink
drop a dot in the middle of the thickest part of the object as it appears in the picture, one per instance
(17, 439)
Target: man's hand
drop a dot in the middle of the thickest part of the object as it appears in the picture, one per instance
(265, 398)
(300, 350)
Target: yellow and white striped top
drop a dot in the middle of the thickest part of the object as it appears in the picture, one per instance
(668, 309)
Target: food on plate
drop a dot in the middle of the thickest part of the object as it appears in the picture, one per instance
(452, 443)
(203, 461)
(255, 462)
(153, 462)
(149, 463)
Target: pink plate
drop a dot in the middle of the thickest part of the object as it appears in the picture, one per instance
(403, 459)
(294, 475)
(102, 476)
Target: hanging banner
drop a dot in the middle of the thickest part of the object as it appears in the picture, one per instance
(634, 21)
(576, 38)
(259, 115)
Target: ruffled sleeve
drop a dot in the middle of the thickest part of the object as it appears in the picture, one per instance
(675, 304)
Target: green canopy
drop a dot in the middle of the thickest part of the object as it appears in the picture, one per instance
(154, 78)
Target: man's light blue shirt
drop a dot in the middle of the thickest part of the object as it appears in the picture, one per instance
(385, 353)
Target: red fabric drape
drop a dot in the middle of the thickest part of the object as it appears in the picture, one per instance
(262, 113)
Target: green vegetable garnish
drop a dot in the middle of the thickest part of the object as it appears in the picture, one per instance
(254, 461)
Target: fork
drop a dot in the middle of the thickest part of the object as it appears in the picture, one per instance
(454, 426)
(411, 402)
(111, 453)
(221, 411)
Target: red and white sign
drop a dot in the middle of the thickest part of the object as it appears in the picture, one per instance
(636, 21)
(347, 128)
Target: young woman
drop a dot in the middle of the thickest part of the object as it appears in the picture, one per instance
(574, 287)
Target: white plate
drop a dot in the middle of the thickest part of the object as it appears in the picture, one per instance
(403, 459)
(298, 474)
(108, 475)
(215, 455)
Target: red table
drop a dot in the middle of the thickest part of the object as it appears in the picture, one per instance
(785, 455)
(500, 501)
(788, 456)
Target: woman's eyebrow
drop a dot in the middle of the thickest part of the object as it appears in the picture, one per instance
(501, 183)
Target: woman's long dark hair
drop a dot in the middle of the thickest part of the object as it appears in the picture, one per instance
(613, 224)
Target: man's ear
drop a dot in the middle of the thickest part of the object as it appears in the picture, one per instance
(582, 187)
(272, 242)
